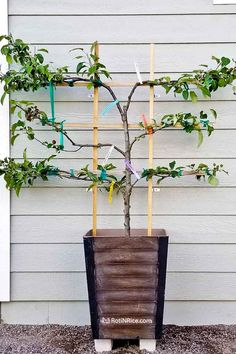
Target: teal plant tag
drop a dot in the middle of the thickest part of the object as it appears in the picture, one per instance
(103, 175)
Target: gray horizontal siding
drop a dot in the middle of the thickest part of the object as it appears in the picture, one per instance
(121, 58)
(114, 29)
(48, 279)
(70, 258)
(82, 7)
(213, 147)
(77, 312)
(70, 312)
(47, 229)
(172, 201)
(72, 286)
(82, 111)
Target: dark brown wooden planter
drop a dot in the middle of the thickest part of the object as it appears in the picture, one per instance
(126, 283)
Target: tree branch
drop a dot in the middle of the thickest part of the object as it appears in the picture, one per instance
(59, 130)
(137, 138)
(168, 175)
(100, 83)
(99, 145)
(137, 84)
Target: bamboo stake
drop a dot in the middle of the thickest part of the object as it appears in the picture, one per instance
(95, 150)
(150, 140)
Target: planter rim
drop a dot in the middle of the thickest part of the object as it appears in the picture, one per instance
(105, 233)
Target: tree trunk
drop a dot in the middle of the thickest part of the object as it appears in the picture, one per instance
(128, 188)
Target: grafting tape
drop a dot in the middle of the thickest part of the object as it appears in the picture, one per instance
(103, 175)
(52, 102)
(109, 107)
(111, 192)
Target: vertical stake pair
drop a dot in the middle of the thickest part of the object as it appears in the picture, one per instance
(150, 144)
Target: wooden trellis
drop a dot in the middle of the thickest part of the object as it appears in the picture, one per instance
(95, 126)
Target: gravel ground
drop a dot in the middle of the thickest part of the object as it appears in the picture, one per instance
(56, 339)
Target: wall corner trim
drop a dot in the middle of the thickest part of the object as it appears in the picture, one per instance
(4, 194)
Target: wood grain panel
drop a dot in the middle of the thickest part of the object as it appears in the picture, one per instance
(126, 282)
(130, 295)
(121, 270)
(127, 331)
(104, 240)
(134, 308)
(116, 256)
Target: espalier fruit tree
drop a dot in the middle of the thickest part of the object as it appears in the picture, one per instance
(31, 73)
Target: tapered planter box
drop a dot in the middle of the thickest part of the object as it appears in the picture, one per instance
(126, 283)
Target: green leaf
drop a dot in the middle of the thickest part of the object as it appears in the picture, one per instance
(2, 37)
(213, 180)
(17, 189)
(79, 67)
(43, 50)
(193, 96)
(225, 61)
(13, 138)
(205, 91)
(90, 85)
(221, 82)
(201, 165)
(210, 129)
(12, 109)
(24, 155)
(79, 48)
(93, 46)
(216, 59)
(200, 137)
(40, 58)
(185, 94)
(3, 97)
(172, 165)
(9, 59)
(214, 113)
